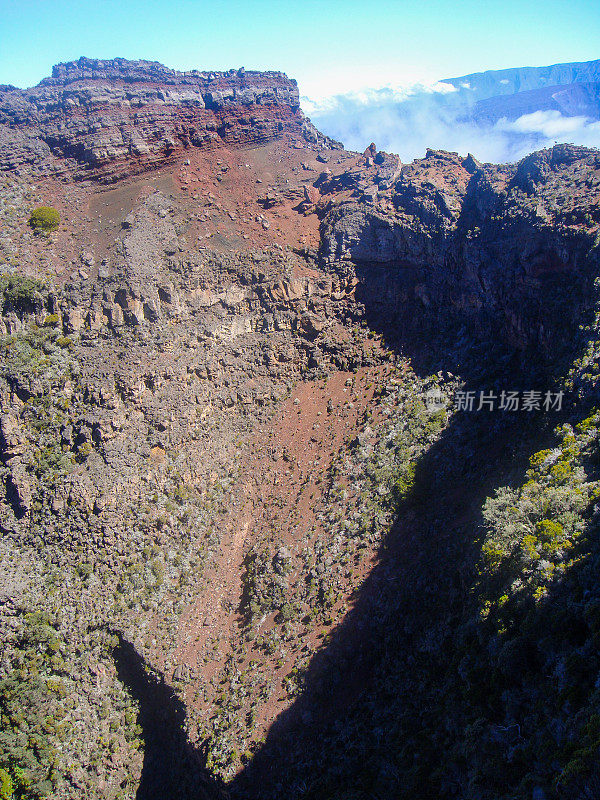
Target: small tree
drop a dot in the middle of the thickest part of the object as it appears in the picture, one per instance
(44, 219)
(19, 293)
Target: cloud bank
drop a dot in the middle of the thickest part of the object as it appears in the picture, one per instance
(408, 120)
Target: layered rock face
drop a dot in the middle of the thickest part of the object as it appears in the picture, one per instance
(106, 119)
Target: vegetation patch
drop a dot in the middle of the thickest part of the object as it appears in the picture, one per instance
(22, 294)
(44, 219)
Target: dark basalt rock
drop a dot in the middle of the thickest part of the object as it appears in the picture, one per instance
(479, 242)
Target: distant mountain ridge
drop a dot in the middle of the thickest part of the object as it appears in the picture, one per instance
(571, 89)
(498, 115)
(574, 100)
(524, 79)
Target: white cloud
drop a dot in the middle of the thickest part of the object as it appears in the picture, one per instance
(407, 120)
(548, 123)
(320, 82)
(590, 135)
(370, 97)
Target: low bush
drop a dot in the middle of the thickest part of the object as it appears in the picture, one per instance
(19, 293)
(44, 219)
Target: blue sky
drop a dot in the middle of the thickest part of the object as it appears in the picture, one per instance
(328, 46)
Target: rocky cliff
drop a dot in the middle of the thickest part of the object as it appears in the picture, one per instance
(484, 243)
(106, 119)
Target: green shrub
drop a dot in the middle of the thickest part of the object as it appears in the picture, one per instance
(6, 785)
(20, 293)
(44, 219)
(30, 711)
(27, 350)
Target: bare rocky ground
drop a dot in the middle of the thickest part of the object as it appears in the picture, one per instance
(181, 324)
(213, 426)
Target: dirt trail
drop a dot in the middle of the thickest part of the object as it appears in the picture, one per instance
(215, 607)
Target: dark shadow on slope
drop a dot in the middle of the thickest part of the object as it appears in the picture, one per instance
(530, 342)
(337, 734)
(172, 767)
(366, 726)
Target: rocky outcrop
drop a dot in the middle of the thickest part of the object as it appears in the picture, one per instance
(453, 237)
(106, 119)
